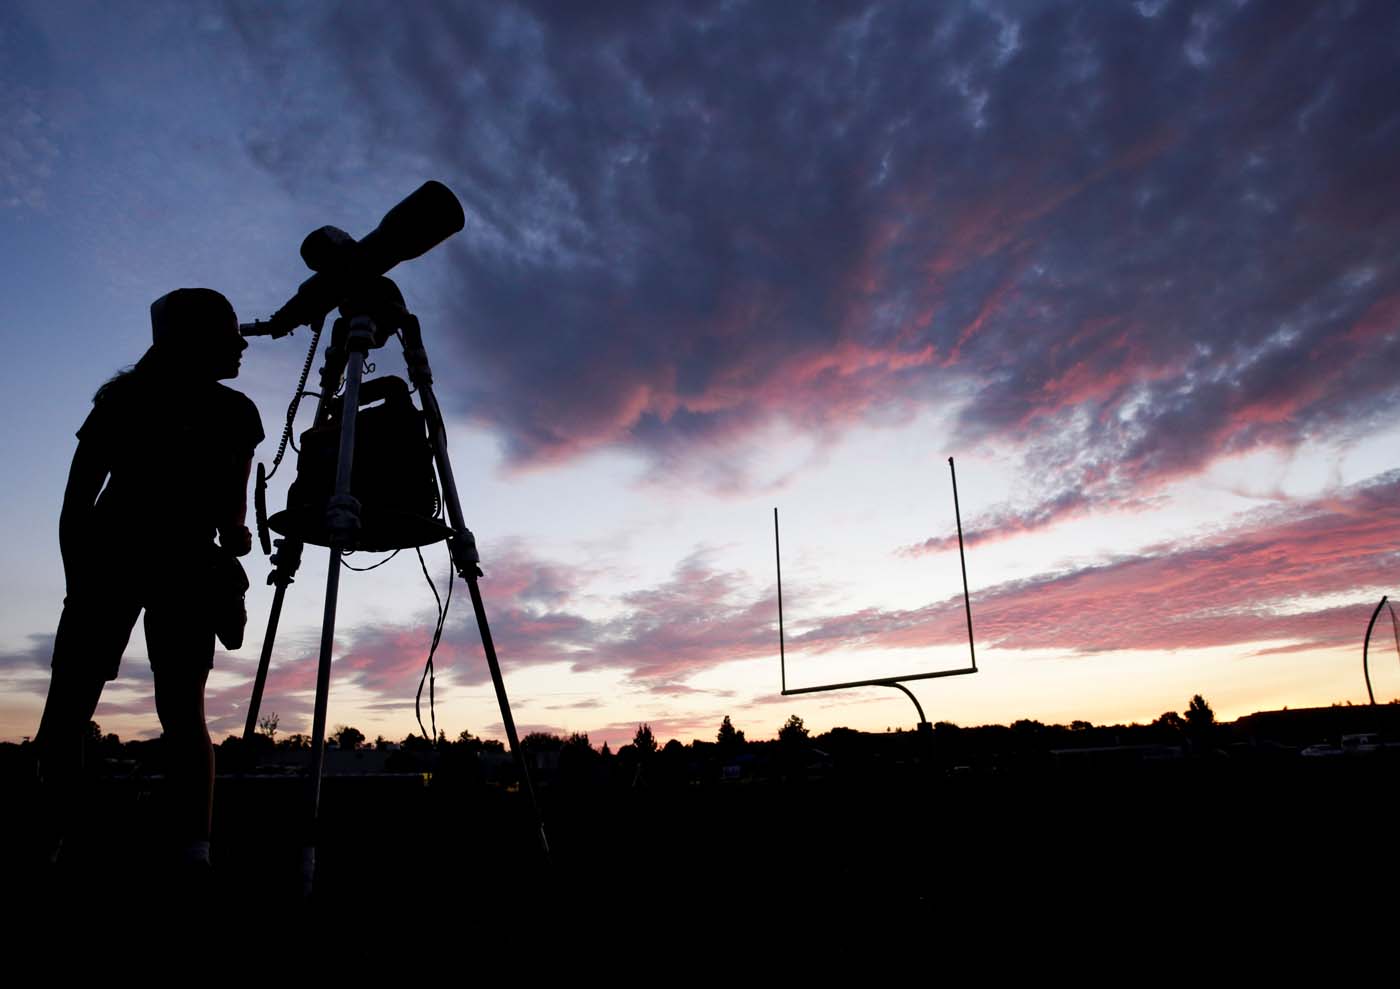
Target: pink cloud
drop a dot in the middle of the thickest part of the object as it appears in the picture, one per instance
(1249, 584)
(1225, 591)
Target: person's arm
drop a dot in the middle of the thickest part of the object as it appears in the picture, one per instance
(75, 536)
(233, 531)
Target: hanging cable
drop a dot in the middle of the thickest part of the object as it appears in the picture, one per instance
(372, 566)
(298, 395)
(429, 673)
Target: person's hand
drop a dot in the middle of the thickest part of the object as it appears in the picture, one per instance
(237, 541)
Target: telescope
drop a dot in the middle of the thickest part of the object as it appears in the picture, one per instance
(424, 219)
(373, 471)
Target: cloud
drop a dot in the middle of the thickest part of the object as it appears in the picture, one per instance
(1269, 578)
(586, 704)
(685, 690)
(1120, 241)
(28, 152)
(1131, 243)
(36, 656)
(659, 636)
(1269, 582)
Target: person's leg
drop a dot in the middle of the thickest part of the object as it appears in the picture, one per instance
(182, 651)
(87, 650)
(72, 701)
(69, 707)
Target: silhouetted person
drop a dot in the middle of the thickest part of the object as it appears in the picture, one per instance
(174, 448)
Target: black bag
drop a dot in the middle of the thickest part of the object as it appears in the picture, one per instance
(392, 475)
(229, 585)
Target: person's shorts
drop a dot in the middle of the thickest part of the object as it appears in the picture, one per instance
(96, 625)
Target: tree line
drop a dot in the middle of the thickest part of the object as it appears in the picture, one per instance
(1024, 744)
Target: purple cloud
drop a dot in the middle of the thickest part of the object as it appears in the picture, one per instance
(1132, 243)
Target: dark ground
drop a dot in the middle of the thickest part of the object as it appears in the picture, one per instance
(1282, 841)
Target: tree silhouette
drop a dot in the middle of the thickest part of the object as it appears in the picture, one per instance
(348, 738)
(1200, 724)
(104, 744)
(1199, 716)
(577, 757)
(671, 762)
(541, 741)
(578, 742)
(792, 731)
(644, 742)
(728, 737)
(1170, 719)
(267, 726)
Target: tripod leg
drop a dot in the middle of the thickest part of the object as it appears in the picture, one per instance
(464, 554)
(343, 519)
(506, 719)
(286, 559)
(274, 617)
(318, 722)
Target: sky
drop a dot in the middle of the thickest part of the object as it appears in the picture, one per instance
(1133, 265)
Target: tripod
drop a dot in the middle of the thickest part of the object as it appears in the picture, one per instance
(361, 329)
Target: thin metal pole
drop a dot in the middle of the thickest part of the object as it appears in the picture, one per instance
(264, 661)
(318, 723)
(962, 558)
(465, 557)
(1366, 649)
(286, 559)
(881, 681)
(360, 341)
(489, 647)
(778, 558)
(917, 706)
